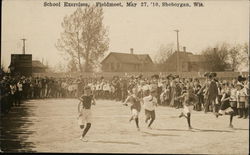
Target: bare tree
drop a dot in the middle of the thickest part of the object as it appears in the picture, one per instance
(234, 56)
(217, 57)
(245, 57)
(71, 67)
(84, 37)
(163, 53)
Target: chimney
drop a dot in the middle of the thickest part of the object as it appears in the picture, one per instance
(131, 51)
(184, 49)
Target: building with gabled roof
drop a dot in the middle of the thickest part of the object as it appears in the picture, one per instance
(24, 65)
(127, 62)
(21, 64)
(38, 67)
(188, 62)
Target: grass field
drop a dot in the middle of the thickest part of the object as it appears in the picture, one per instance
(51, 126)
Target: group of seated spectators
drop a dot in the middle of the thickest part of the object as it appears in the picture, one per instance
(209, 90)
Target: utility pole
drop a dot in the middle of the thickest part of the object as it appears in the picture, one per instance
(177, 52)
(23, 45)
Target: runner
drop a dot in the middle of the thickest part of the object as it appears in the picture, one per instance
(135, 106)
(189, 99)
(225, 108)
(233, 98)
(84, 111)
(150, 102)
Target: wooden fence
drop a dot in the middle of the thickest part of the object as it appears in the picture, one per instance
(223, 75)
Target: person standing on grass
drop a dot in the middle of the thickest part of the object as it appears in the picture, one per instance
(135, 106)
(84, 111)
(189, 100)
(150, 102)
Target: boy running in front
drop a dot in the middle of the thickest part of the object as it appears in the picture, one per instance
(84, 111)
(135, 106)
(189, 99)
(225, 108)
(150, 102)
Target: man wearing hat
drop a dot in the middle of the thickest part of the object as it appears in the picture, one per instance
(172, 92)
(211, 93)
(178, 90)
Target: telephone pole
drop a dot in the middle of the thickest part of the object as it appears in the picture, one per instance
(23, 45)
(177, 52)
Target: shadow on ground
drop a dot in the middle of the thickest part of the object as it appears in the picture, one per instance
(210, 130)
(196, 130)
(14, 130)
(240, 129)
(172, 129)
(157, 134)
(115, 142)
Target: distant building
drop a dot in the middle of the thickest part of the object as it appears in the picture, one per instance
(21, 64)
(24, 65)
(38, 67)
(188, 62)
(127, 62)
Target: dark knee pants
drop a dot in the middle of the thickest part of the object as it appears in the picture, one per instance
(150, 114)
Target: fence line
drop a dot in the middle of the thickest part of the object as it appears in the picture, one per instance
(145, 74)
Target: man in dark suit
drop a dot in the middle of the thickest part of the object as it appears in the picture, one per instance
(212, 92)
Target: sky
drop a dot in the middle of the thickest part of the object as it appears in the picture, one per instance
(143, 29)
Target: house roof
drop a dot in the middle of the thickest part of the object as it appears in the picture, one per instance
(196, 58)
(144, 57)
(190, 57)
(37, 64)
(129, 58)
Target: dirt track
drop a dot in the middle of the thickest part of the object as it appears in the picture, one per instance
(51, 126)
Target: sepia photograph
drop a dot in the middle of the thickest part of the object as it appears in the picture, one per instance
(119, 76)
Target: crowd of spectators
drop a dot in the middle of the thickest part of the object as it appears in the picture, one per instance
(209, 90)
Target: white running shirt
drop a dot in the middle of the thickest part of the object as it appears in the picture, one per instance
(149, 102)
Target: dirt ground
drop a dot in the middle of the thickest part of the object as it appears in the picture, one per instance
(51, 126)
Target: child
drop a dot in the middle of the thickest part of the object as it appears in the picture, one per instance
(84, 111)
(189, 99)
(241, 99)
(150, 102)
(225, 108)
(135, 106)
(233, 99)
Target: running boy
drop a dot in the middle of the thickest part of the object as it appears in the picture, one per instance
(189, 100)
(84, 111)
(135, 106)
(225, 108)
(150, 102)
